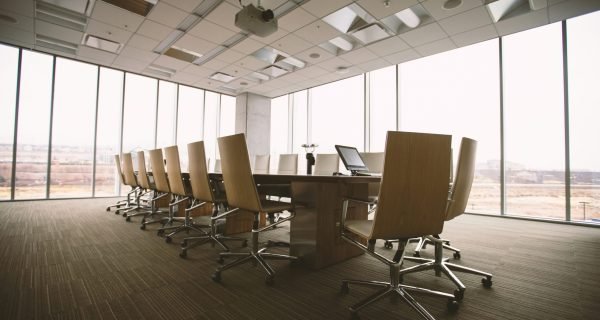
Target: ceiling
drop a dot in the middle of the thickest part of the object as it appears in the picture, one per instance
(297, 56)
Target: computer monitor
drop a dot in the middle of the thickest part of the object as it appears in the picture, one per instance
(351, 159)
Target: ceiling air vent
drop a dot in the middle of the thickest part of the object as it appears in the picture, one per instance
(141, 7)
(182, 54)
(60, 16)
(101, 43)
(55, 44)
(223, 77)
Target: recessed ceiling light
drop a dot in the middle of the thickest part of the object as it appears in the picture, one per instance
(243, 83)
(101, 43)
(7, 18)
(314, 55)
(341, 70)
(223, 77)
(452, 4)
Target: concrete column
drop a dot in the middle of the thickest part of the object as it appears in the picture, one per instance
(253, 117)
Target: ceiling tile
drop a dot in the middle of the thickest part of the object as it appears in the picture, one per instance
(322, 8)
(142, 42)
(235, 71)
(56, 52)
(312, 72)
(194, 44)
(573, 8)
(58, 32)
(23, 22)
(198, 70)
(21, 7)
(305, 55)
(522, 22)
(334, 63)
(357, 56)
(291, 44)
(230, 56)
(248, 46)
(424, 34)
(106, 31)
(379, 10)
(466, 21)
(104, 57)
(138, 54)
(388, 46)
(185, 5)
(208, 84)
(170, 63)
(17, 36)
(438, 12)
(251, 63)
(474, 36)
(184, 77)
(130, 64)
(436, 47)
(215, 64)
(399, 57)
(167, 14)
(224, 15)
(373, 65)
(116, 16)
(317, 32)
(154, 30)
(296, 19)
(270, 38)
(211, 32)
(293, 77)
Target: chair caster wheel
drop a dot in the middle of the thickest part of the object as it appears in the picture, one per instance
(160, 233)
(117, 212)
(459, 294)
(452, 305)
(344, 289)
(216, 277)
(168, 239)
(270, 280)
(244, 243)
(184, 243)
(183, 254)
(388, 245)
(221, 260)
(124, 215)
(487, 282)
(143, 227)
(456, 255)
(128, 218)
(108, 209)
(416, 254)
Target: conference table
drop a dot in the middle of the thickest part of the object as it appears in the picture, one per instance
(315, 230)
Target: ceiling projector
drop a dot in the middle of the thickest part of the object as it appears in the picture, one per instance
(255, 20)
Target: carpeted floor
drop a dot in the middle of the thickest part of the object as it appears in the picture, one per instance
(72, 259)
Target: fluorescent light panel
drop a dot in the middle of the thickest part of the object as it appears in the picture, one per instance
(101, 43)
(223, 77)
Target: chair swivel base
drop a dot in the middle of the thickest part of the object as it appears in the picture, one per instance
(389, 289)
(191, 242)
(187, 226)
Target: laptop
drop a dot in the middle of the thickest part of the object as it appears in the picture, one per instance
(352, 160)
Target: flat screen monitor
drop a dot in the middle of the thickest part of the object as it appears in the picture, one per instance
(351, 159)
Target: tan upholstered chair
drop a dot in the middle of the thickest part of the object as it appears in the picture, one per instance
(155, 196)
(143, 184)
(373, 161)
(412, 202)
(288, 164)
(217, 166)
(326, 164)
(261, 163)
(242, 195)
(126, 203)
(457, 203)
(131, 180)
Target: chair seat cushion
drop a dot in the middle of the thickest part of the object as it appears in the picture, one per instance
(359, 227)
(269, 206)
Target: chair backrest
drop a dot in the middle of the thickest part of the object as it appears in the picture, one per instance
(158, 170)
(128, 172)
(174, 171)
(326, 164)
(373, 160)
(142, 176)
(261, 163)
(414, 186)
(201, 188)
(288, 164)
(463, 180)
(237, 175)
(119, 170)
(217, 166)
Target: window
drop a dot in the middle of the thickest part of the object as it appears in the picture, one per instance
(534, 122)
(382, 106)
(227, 116)
(74, 116)
(167, 108)
(190, 120)
(300, 127)
(584, 100)
(140, 113)
(279, 129)
(108, 136)
(338, 114)
(9, 64)
(33, 125)
(211, 106)
(458, 93)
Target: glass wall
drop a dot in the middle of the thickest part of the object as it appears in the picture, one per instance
(9, 64)
(227, 116)
(108, 136)
(167, 110)
(382, 106)
(211, 112)
(189, 120)
(35, 102)
(457, 93)
(584, 112)
(300, 127)
(279, 129)
(534, 122)
(73, 119)
(140, 113)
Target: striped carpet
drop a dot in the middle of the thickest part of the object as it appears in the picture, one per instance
(70, 259)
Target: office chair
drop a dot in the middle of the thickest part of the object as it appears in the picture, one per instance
(203, 194)
(130, 180)
(217, 166)
(144, 185)
(242, 195)
(153, 209)
(179, 194)
(457, 203)
(287, 164)
(412, 199)
(126, 203)
(326, 164)
(373, 161)
(261, 164)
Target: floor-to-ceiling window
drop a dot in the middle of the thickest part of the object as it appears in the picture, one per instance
(279, 129)
(534, 122)
(74, 116)
(167, 108)
(9, 64)
(457, 92)
(583, 34)
(300, 127)
(139, 118)
(189, 120)
(108, 136)
(35, 101)
(382, 106)
(211, 113)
